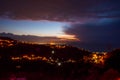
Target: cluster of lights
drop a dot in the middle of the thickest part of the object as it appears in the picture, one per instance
(31, 57)
(96, 57)
(71, 61)
(59, 46)
(4, 43)
(37, 58)
(55, 45)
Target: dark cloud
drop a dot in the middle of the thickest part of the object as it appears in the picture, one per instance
(97, 34)
(61, 10)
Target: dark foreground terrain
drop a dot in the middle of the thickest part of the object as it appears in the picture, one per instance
(23, 61)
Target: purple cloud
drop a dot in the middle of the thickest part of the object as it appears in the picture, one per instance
(58, 10)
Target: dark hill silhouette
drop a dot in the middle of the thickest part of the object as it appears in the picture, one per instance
(6, 38)
(113, 60)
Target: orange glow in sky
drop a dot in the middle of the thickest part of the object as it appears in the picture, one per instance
(68, 37)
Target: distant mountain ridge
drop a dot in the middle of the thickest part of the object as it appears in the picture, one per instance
(30, 38)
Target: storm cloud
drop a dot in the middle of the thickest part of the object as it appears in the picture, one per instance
(59, 10)
(101, 33)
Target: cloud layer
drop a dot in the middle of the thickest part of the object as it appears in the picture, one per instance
(59, 10)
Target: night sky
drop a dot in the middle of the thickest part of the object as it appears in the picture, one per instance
(89, 24)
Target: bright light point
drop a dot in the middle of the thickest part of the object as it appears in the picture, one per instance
(59, 64)
(53, 52)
